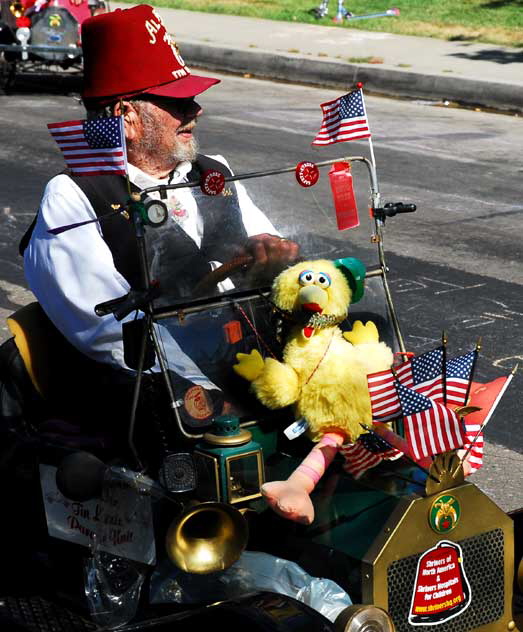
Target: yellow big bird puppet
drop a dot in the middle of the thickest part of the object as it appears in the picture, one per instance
(323, 374)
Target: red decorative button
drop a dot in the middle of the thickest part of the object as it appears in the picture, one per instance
(307, 174)
(212, 182)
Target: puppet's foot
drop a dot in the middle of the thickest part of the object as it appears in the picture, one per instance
(289, 500)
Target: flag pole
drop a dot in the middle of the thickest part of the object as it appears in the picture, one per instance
(487, 419)
(359, 85)
(444, 341)
(476, 352)
(371, 149)
(467, 395)
(124, 145)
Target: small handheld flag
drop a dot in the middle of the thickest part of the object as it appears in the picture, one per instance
(368, 451)
(430, 427)
(344, 119)
(92, 147)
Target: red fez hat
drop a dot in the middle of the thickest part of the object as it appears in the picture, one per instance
(128, 52)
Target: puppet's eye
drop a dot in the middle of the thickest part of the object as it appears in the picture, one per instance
(323, 279)
(306, 277)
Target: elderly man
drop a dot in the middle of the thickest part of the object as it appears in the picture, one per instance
(132, 68)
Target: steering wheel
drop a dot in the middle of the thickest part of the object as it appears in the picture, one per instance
(211, 279)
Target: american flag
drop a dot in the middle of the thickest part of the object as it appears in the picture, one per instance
(424, 373)
(382, 390)
(344, 119)
(458, 373)
(475, 454)
(368, 451)
(430, 427)
(94, 147)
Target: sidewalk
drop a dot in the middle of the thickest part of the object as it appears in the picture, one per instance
(475, 74)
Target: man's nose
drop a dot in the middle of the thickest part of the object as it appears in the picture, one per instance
(195, 109)
(190, 111)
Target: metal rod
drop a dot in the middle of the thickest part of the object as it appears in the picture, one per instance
(140, 239)
(229, 301)
(142, 250)
(136, 393)
(473, 368)
(378, 224)
(262, 174)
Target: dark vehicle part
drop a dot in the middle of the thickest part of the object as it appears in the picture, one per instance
(259, 612)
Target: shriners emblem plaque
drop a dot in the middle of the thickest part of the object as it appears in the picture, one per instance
(445, 513)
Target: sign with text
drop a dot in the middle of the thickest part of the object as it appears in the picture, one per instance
(340, 177)
(120, 522)
(441, 591)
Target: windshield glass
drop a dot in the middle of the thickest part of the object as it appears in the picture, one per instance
(220, 248)
(215, 297)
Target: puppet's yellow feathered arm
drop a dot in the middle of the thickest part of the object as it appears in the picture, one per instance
(275, 384)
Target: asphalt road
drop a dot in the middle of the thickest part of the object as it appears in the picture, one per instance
(455, 264)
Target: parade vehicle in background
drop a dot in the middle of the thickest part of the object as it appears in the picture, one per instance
(42, 36)
(156, 521)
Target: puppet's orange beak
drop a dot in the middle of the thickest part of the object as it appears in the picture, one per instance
(313, 298)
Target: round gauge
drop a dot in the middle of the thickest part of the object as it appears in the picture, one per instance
(156, 212)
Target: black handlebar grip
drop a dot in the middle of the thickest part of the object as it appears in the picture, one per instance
(393, 208)
(407, 208)
(109, 307)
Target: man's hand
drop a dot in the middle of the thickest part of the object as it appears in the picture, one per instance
(270, 254)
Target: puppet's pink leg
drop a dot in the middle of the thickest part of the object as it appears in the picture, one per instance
(290, 498)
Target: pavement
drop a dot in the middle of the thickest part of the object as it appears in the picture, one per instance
(480, 75)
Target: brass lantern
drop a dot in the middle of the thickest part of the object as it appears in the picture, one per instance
(229, 464)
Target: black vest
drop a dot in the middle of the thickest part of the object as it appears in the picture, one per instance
(175, 260)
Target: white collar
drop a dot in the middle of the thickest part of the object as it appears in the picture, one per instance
(144, 180)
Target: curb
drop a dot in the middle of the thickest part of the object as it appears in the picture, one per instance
(333, 74)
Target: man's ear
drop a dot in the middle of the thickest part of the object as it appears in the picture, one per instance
(130, 117)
